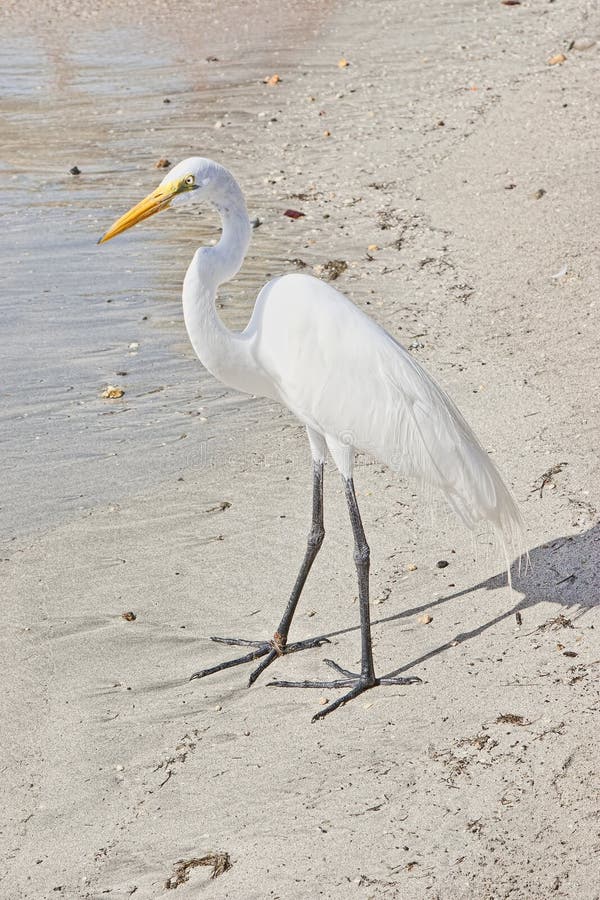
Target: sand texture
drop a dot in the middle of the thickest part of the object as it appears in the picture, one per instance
(454, 173)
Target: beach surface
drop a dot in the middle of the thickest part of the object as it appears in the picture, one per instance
(447, 176)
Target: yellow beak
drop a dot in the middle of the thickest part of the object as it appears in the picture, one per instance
(153, 203)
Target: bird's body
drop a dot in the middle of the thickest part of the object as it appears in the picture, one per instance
(343, 376)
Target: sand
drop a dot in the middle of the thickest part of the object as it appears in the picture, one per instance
(469, 162)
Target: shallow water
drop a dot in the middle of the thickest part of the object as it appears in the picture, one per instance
(71, 311)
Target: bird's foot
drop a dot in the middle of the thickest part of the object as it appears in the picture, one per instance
(358, 684)
(270, 650)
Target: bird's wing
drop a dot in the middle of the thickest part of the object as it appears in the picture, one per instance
(338, 371)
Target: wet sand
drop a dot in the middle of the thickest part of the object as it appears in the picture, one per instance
(89, 91)
(466, 160)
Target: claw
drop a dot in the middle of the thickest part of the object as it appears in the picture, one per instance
(263, 665)
(237, 642)
(269, 649)
(358, 689)
(358, 684)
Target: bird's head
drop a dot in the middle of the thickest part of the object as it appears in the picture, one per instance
(195, 178)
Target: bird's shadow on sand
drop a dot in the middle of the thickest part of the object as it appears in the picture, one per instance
(564, 571)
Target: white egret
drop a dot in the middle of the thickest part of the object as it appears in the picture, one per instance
(346, 379)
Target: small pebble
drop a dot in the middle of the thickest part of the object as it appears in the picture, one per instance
(112, 393)
(442, 563)
(537, 195)
(425, 619)
(323, 701)
(332, 269)
(582, 44)
(411, 567)
(75, 171)
(561, 272)
(218, 708)
(129, 616)
(162, 164)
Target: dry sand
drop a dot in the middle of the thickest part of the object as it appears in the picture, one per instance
(481, 783)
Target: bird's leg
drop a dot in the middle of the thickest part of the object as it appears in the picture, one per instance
(278, 645)
(358, 683)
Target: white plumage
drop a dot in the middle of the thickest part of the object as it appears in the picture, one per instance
(342, 375)
(345, 377)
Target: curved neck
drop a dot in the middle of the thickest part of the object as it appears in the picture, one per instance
(221, 351)
(227, 256)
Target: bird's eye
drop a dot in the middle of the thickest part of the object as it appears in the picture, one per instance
(189, 180)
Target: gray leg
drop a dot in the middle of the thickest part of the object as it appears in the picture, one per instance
(362, 559)
(367, 678)
(279, 646)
